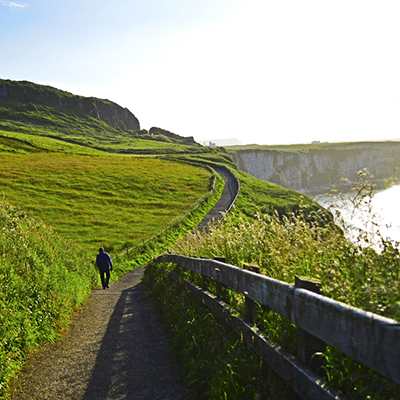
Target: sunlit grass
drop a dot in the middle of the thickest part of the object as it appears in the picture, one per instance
(14, 142)
(289, 246)
(302, 148)
(102, 200)
(43, 279)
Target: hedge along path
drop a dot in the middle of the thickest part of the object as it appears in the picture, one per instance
(117, 347)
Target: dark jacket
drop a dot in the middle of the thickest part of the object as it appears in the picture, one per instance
(104, 262)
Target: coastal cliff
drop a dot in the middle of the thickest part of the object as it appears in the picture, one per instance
(316, 169)
(23, 92)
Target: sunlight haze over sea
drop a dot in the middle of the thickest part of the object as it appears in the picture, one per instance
(386, 204)
(385, 207)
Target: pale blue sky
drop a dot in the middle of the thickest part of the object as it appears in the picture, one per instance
(261, 71)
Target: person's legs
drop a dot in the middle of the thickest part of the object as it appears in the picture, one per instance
(107, 277)
(103, 281)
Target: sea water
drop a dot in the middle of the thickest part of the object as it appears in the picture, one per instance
(380, 216)
(387, 205)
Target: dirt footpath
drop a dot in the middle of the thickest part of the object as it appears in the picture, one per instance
(117, 349)
(227, 197)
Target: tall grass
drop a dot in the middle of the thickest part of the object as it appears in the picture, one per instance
(289, 246)
(42, 280)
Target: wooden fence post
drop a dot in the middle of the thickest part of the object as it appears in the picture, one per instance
(249, 303)
(309, 347)
(221, 289)
(205, 280)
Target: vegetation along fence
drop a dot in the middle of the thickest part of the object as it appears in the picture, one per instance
(366, 337)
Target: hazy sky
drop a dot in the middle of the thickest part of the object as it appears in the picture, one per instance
(261, 71)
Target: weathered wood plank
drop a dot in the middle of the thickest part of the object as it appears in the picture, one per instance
(262, 289)
(250, 306)
(303, 380)
(310, 348)
(369, 338)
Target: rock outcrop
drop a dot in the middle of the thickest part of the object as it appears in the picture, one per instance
(317, 170)
(29, 93)
(189, 140)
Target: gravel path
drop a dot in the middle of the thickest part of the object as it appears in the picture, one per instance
(227, 197)
(117, 347)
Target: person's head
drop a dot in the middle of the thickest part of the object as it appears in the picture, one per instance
(101, 250)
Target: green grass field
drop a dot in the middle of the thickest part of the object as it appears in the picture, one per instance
(104, 200)
(303, 148)
(16, 142)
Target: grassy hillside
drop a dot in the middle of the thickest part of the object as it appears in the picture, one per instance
(90, 197)
(13, 142)
(302, 148)
(99, 199)
(45, 111)
(86, 131)
(74, 185)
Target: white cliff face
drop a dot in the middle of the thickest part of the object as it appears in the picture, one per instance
(317, 170)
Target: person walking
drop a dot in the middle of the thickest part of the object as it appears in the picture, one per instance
(104, 263)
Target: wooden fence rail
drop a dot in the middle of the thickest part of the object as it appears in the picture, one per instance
(368, 338)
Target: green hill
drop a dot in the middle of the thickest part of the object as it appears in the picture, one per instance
(30, 112)
(40, 110)
(78, 136)
(79, 174)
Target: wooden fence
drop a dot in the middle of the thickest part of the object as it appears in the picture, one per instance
(368, 338)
